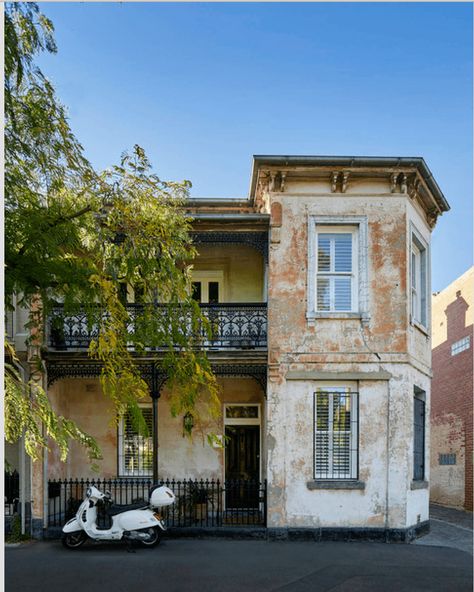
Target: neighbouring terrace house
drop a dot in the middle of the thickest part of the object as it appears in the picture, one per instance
(318, 288)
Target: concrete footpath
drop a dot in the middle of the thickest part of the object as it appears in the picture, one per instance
(449, 528)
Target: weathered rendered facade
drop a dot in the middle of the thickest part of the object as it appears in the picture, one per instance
(319, 284)
(378, 349)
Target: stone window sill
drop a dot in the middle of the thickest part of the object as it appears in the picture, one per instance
(311, 316)
(421, 328)
(335, 484)
(419, 485)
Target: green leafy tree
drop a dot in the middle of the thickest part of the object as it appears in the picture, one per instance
(77, 237)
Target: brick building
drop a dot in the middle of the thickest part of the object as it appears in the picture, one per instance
(452, 394)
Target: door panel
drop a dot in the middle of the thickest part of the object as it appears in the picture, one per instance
(242, 466)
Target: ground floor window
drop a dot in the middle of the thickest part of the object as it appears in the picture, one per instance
(336, 432)
(419, 436)
(135, 450)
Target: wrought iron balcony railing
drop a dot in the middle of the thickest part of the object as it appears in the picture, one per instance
(233, 326)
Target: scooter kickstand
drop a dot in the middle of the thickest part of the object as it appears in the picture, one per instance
(130, 548)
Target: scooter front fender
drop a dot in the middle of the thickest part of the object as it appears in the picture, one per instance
(72, 526)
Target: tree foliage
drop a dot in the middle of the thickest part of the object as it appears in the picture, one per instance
(76, 236)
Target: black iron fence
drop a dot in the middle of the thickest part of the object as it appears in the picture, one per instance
(12, 492)
(202, 503)
(242, 325)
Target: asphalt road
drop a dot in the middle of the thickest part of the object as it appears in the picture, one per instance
(182, 565)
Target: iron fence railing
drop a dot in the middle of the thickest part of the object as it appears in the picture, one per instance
(199, 503)
(12, 492)
(242, 326)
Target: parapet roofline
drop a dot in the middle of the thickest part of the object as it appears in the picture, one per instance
(351, 162)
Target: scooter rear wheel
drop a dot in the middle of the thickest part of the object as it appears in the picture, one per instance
(74, 540)
(155, 536)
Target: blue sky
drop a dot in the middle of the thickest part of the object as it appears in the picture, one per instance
(202, 87)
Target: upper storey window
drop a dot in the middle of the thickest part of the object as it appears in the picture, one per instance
(336, 277)
(337, 268)
(207, 286)
(419, 279)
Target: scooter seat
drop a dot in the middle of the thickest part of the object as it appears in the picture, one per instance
(115, 509)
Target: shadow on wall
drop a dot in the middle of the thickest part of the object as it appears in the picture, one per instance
(451, 405)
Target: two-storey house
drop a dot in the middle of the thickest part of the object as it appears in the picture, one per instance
(318, 289)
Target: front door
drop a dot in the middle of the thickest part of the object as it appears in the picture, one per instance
(242, 465)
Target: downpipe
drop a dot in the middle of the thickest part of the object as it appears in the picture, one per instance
(387, 484)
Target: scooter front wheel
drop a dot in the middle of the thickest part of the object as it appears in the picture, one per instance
(154, 536)
(73, 540)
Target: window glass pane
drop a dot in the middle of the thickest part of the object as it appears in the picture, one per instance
(321, 454)
(122, 293)
(137, 449)
(322, 411)
(461, 345)
(415, 307)
(342, 293)
(419, 439)
(213, 292)
(323, 294)
(341, 455)
(341, 412)
(343, 252)
(324, 252)
(139, 294)
(335, 438)
(241, 411)
(197, 292)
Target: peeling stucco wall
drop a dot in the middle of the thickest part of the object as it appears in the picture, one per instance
(82, 401)
(350, 345)
(178, 456)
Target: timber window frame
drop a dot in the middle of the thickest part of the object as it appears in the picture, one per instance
(323, 233)
(419, 280)
(336, 432)
(135, 452)
(211, 286)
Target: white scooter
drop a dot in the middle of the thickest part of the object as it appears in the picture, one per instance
(133, 522)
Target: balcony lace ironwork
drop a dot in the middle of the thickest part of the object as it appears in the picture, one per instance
(233, 326)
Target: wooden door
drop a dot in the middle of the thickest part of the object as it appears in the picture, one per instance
(242, 466)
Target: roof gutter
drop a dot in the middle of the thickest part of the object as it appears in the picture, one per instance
(231, 217)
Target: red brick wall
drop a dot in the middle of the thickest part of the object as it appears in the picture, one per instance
(452, 386)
